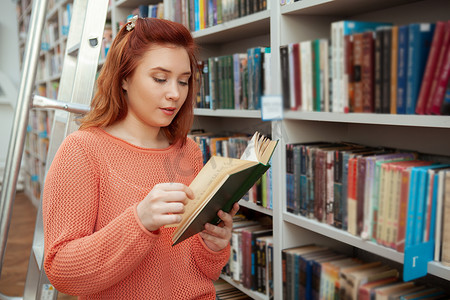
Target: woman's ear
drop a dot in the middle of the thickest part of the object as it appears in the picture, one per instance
(125, 84)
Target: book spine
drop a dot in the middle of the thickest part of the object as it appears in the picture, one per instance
(358, 52)
(418, 47)
(420, 206)
(394, 63)
(296, 104)
(378, 71)
(402, 68)
(303, 184)
(316, 75)
(410, 222)
(367, 71)
(386, 70)
(351, 197)
(337, 190)
(284, 65)
(430, 68)
(329, 188)
(439, 94)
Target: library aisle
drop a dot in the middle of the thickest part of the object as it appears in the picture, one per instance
(14, 271)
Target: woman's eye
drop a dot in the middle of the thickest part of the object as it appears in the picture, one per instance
(183, 83)
(159, 80)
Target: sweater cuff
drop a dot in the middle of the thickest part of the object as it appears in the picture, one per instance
(145, 230)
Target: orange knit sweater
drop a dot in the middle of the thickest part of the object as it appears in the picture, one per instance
(95, 245)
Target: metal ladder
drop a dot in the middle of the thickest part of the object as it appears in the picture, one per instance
(74, 95)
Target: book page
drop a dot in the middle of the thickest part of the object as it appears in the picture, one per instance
(208, 180)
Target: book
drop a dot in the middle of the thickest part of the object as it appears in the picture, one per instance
(430, 68)
(367, 291)
(445, 249)
(419, 42)
(394, 63)
(288, 257)
(402, 68)
(222, 182)
(440, 67)
(441, 86)
(339, 30)
(384, 292)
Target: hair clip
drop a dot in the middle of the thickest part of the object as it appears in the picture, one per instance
(132, 22)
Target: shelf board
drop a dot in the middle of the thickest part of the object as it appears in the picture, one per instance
(372, 118)
(439, 270)
(253, 294)
(256, 207)
(343, 236)
(232, 113)
(248, 26)
(338, 8)
(135, 3)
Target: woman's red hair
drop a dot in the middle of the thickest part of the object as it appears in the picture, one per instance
(109, 103)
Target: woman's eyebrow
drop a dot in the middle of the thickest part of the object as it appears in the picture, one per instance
(168, 71)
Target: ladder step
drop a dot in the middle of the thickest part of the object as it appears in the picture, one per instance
(73, 50)
(47, 103)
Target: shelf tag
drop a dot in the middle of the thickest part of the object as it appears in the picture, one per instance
(416, 260)
(271, 108)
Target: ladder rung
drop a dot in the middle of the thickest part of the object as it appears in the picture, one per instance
(73, 50)
(46, 103)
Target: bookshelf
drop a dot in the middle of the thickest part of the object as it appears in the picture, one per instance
(306, 20)
(280, 25)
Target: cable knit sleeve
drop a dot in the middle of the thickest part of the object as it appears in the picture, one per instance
(78, 260)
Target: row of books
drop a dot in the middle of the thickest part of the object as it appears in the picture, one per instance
(251, 259)
(372, 67)
(201, 14)
(317, 272)
(390, 197)
(233, 145)
(149, 11)
(235, 81)
(226, 291)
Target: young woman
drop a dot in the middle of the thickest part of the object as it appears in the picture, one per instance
(116, 182)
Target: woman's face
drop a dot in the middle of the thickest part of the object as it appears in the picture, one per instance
(159, 85)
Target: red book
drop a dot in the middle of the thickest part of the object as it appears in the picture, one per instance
(357, 105)
(351, 196)
(440, 67)
(367, 72)
(431, 67)
(438, 97)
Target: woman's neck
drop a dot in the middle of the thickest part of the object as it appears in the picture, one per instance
(138, 135)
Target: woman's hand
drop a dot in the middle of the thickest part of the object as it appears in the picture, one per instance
(164, 205)
(218, 237)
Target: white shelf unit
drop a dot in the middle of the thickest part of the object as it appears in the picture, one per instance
(307, 20)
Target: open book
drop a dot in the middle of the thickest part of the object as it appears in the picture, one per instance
(222, 182)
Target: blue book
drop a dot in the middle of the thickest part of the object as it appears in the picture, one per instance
(143, 11)
(420, 36)
(196, 15)
(422, 200)
(402, 68)
(410, 219)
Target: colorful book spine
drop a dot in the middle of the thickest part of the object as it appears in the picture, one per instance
(419, 41)
(402, 68)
